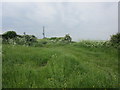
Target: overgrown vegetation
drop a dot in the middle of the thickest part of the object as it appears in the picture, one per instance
(11, 37)
(58, 62)
(68, 66)
(115, 40)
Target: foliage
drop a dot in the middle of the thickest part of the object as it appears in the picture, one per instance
(9, 35)
(56, 39)
(67, 38)
(59, 67)
(95, 44)
(26, 40)
(43, 41)
(115, 40)
(61, 63)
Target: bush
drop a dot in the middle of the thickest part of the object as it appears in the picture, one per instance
(26, 40)
(115, 40)
(67, 38)
(9, 35)
(93, 44)
(20, 40)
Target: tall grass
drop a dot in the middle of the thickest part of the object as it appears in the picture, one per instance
(67, 66)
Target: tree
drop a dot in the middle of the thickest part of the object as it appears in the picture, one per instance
(115, 39)
(9, 35)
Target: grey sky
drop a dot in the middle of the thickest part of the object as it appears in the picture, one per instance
(94, 21)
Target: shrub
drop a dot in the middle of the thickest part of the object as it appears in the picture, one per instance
(67, 38)
(115, 40)
(93, 44)
(9, 35)
(20, 40)
(26, 40)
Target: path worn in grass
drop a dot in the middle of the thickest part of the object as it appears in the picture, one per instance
(63, 66)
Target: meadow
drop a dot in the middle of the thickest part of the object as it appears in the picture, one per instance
(73, 65)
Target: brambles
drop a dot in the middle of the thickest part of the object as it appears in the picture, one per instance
(115, 40)
(94, 44)
(9, 35)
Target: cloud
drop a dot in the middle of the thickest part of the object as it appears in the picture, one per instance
(95, 21)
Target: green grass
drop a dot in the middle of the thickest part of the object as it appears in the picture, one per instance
(68, 66)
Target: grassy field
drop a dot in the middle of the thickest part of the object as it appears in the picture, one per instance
(67, 66)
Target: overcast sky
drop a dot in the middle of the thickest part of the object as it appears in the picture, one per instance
(93, 21)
